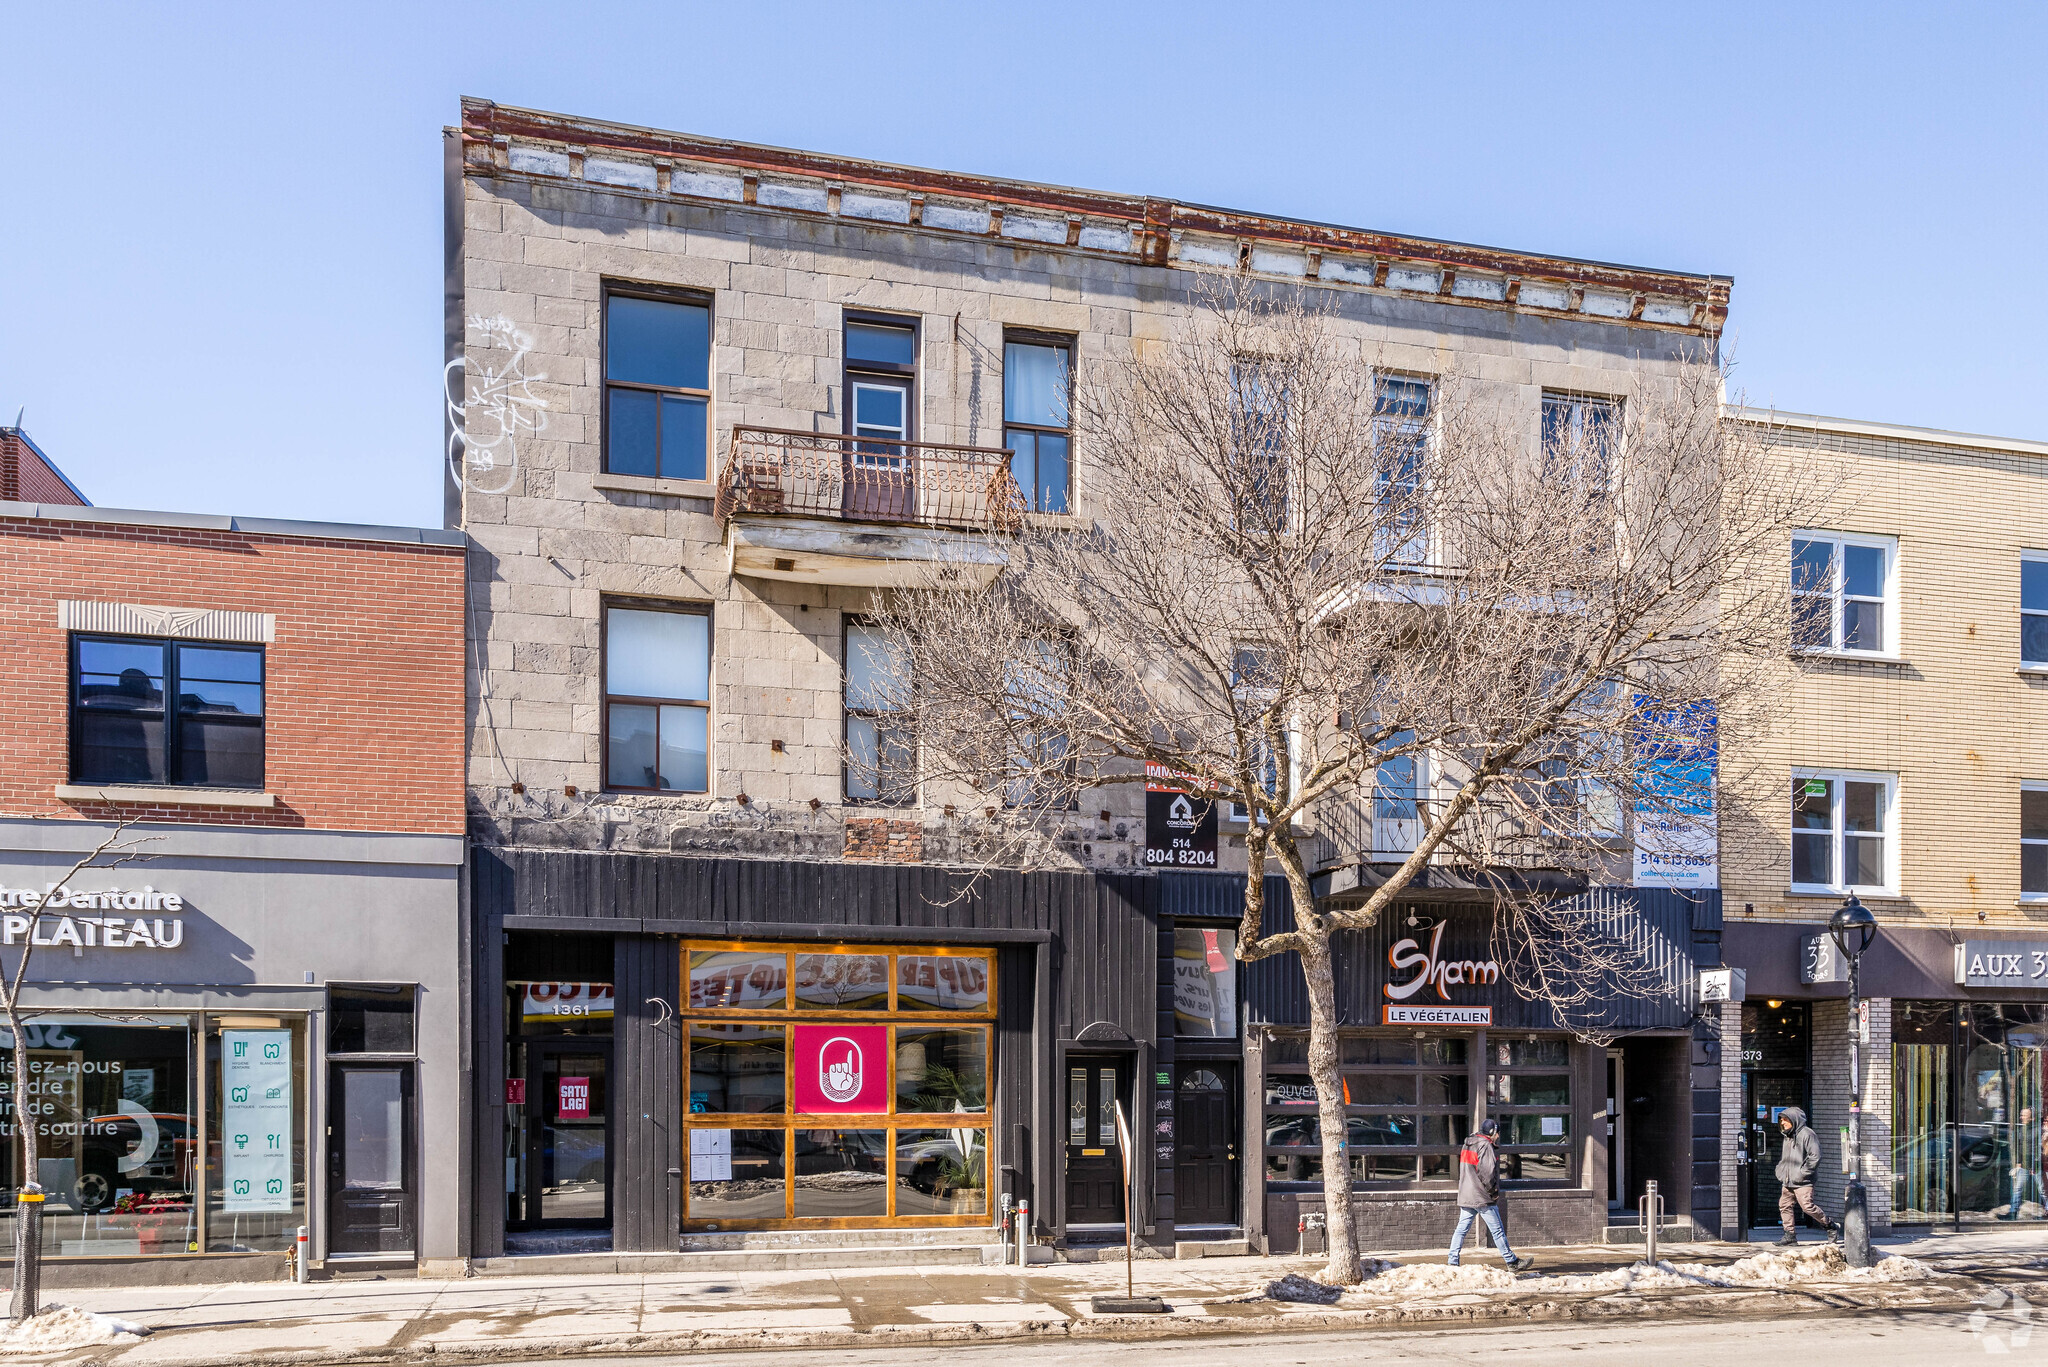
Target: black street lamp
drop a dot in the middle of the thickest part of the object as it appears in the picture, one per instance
(1853, 928)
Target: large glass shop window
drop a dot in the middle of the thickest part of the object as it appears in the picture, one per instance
(256, 1132)
(837, 1083)
(1408, 1104)
(1969, 1139)
(117, 1140)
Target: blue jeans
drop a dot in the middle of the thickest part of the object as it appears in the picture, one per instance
(1499, 1231)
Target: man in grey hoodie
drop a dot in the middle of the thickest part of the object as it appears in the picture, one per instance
(1479, 1195)
(1797, 1164)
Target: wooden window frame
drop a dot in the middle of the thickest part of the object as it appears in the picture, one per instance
(606, 384)
(851, 371)
(788, 1121)
(1066, 343)
(848, 714)
(606, 697)
(172, 717)
(1472, 1068)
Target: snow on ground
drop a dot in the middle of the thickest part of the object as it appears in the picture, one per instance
(65, 1326)
(1790, 1267)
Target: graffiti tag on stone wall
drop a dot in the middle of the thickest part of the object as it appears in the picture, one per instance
(491, 405)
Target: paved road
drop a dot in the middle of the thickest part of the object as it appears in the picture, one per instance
(1873, 1340)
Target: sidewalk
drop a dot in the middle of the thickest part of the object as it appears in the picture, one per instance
(510, 1318)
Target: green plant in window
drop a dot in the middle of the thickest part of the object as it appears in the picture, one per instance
(948, 1089)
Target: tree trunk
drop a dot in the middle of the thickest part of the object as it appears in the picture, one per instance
(1316, 966)
(27, 1213)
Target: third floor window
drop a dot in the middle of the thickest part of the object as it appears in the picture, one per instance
(657, 387)
(1035, 421)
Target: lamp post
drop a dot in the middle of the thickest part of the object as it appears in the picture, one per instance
(1853, 928)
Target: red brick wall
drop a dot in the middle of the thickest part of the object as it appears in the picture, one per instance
(26, 477)
(364, 682)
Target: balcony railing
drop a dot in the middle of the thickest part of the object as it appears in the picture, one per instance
(784, 472)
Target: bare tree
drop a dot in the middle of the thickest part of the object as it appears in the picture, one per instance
(1329, 592)
(111, 852)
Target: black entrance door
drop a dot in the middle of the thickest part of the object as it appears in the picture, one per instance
(565, 1180)
(1205, 1134)
(371, 1182)
(1095, 1175)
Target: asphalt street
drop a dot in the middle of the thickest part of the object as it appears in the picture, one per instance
(1869, 1340)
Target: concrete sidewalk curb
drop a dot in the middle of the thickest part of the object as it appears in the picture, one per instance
(1586, 1307)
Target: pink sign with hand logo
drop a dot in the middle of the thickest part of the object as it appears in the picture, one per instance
(841, 1069)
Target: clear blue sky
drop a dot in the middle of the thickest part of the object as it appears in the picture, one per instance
(220, 251)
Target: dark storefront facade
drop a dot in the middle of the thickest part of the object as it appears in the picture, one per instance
(694, 1049)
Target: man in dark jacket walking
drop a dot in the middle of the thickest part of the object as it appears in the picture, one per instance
(1479, 1195)
(1797, 1164)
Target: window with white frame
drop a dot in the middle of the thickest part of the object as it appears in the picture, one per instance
(2034, 609)
(2034, 842)
(1844, 833)
(1397, 799)
(1579, 433)
(1844, 593)
(1400, 446)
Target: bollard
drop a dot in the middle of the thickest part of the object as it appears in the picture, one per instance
(299, 1248)
(1652, 1210)
(1023, 1233)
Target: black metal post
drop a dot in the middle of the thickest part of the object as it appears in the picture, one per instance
(1855, 1201)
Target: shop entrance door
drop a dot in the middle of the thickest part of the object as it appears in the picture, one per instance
(1205, 1185)
(1617, 1148)
(566, 1178)
(1095, 1175)
(371, 1182)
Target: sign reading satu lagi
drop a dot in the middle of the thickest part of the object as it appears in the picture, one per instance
(1432, 970)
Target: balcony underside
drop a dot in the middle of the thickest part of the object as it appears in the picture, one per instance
(1354, 882)
(807, 550)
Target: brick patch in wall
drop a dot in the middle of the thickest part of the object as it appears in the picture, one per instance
(884, 841)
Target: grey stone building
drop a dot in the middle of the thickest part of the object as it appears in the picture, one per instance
(705, 399)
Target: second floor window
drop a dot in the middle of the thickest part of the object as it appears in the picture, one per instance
(657, 387)
(2034, 609)
(1035, 421)
(182, 713)
(1842, 836)
(2034, 842)
(657, 699)
(881, 758)
(1842, 593)
(1258, 441)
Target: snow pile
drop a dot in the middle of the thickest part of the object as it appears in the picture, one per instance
(59, 1327)
(1294, 1287)
(1437, 1279)
(1807, 1263)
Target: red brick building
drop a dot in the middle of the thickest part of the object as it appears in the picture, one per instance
(361, 635)
(249, 1008)
(29, 476)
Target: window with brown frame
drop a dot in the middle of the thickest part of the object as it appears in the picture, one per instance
(837, 1085)
(1037, 373)
(657, 385)
(657, 698)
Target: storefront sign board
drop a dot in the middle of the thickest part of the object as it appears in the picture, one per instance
(256, 1120)
(1436, 1015)
(840, 1069)
(2002, 963)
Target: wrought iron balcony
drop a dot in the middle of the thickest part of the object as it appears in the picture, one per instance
(1364, 837)
(822, 507)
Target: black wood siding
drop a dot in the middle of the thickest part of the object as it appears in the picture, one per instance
(647, 1083)
(1094, 936)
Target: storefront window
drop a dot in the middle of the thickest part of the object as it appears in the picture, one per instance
(118, 1146)
(865, 1050)
(1969, 1141)
(256, 1127)
(1533, 1105)
(1205, 982)
(1407, 1104)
